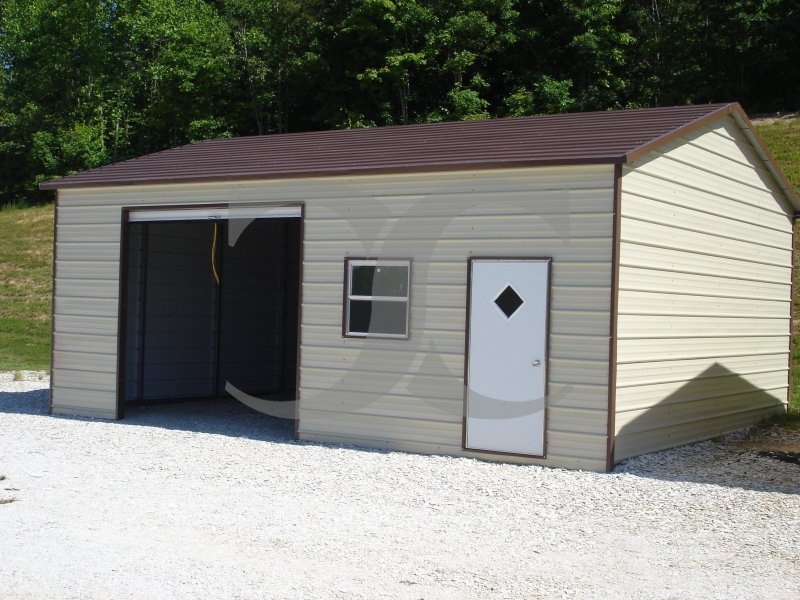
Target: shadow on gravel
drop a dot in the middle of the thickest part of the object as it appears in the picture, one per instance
(727, 463)
(31, 402)
(731, 462)
(222, 416)
(715, 400)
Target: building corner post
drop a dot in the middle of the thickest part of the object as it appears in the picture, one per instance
(614, 317)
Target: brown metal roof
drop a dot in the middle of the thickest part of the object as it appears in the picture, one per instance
(577, 138)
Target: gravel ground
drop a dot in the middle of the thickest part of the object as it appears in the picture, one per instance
(211, 499)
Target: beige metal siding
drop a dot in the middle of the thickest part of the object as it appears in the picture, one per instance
(705, 272)
(409, 394)
(405, 394)
(85, 309)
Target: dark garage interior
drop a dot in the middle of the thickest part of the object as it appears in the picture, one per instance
(200, 313)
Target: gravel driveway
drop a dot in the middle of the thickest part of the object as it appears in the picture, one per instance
(213, 500)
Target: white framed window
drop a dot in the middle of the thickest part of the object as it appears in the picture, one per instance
(376, 297)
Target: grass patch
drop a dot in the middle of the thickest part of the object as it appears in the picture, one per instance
(794, 395)
(782, 137)
(26, 246)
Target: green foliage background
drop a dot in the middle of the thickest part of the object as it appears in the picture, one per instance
(90, 82)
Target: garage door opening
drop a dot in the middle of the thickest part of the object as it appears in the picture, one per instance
(207, 304)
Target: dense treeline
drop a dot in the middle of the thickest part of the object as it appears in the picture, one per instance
(88, 82)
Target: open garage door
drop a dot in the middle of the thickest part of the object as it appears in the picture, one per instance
(209, 299)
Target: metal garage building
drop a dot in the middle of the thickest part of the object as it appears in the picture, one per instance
(564, 290)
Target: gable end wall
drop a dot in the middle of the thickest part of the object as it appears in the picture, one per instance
(705, 287)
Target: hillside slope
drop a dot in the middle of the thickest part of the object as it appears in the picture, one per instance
(26, 249)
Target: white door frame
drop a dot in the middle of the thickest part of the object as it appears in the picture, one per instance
(546, 358)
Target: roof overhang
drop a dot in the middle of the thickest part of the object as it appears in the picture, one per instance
(605, 137)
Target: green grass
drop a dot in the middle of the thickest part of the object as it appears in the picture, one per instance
(782, 137)
(26, 244)
(783, 140)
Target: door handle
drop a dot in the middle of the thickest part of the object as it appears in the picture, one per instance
(536, 363)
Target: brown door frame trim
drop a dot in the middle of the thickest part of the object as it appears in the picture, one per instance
(123, 291)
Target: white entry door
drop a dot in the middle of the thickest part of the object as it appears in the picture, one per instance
(507, 360)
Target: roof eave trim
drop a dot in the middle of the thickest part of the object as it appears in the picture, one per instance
(722, 111)
(60, 184)
(769, 160)
(733, 109)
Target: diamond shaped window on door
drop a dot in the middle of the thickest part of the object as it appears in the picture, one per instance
(509, 301)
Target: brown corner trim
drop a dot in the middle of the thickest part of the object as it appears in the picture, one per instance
(53, 305)
(614, 317)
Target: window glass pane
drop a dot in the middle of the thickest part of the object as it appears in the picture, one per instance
(388, 317)
(378, 317)
(379, 281)
(390, 281)
(361, 280)
(360, 315)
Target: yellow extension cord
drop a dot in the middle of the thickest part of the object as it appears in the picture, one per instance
(214, 254)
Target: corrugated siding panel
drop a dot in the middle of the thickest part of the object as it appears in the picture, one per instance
(479, 221)
(716, 422)
(583, 445)
(649, 372)
(636, 350)
(709, 387)
(580, 449)
(704, 304)
(647, 303)
(88, 400)
(647, 280)
(393, 393)
(85, 313)
(89, 272)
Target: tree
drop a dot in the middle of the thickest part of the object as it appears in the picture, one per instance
(466, 48)
(87, 82)
(54, 72)
(269, 39)
(176, 63)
